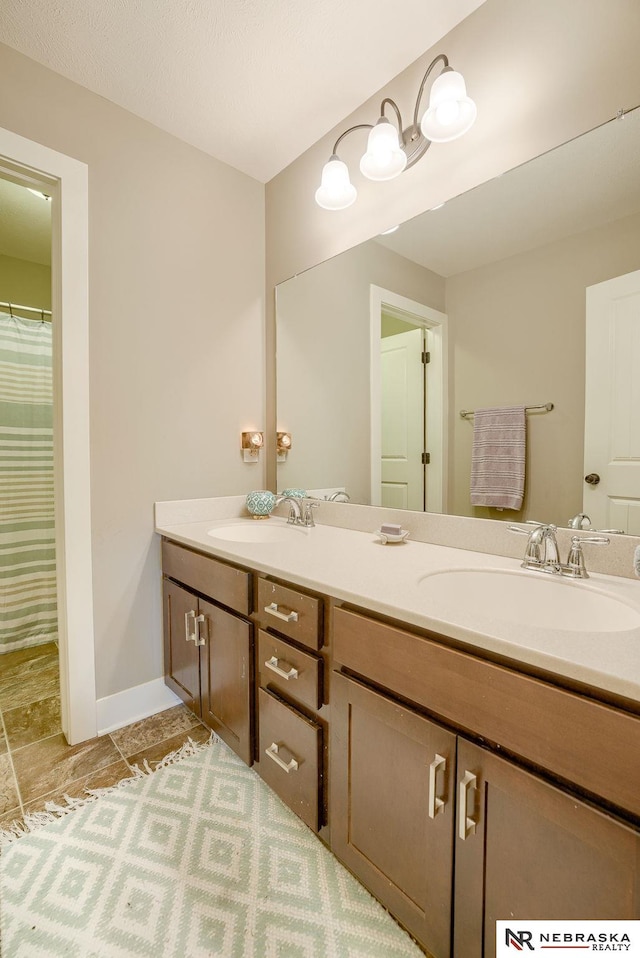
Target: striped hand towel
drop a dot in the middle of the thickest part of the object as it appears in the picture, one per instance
(498, 457)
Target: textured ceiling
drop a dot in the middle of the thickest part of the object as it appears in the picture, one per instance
(25, 224)
(252, 82)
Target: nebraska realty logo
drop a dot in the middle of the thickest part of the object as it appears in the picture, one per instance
(567, 937)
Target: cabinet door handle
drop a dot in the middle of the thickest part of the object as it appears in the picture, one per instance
(272, 752)
(435, 804)
(273, 609)
(273, 664)
(199, 638)
(466, 824)
(188, 635)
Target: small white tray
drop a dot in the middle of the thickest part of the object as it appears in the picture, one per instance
(386, 537)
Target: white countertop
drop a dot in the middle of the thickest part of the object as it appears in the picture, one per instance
(357, 568)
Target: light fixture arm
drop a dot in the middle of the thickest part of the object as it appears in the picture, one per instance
(392, 103)
(358, 126)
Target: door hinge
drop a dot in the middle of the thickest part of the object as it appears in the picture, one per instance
(426, 458)
(426, 357)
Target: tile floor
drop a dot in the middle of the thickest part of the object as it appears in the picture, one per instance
(37, 765)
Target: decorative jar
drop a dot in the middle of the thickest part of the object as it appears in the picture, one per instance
(260, 502)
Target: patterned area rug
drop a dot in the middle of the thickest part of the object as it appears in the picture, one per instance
(196, 860)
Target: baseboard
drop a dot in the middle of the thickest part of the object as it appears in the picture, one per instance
(131, 705)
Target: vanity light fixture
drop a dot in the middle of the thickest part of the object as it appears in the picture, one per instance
(283, 445)
(252, 443)
(392, 148)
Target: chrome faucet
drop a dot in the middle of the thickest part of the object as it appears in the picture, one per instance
(300, 510)
(581, 521)
(339, 496)
(295, 508)
(541, 553)
(542, 549)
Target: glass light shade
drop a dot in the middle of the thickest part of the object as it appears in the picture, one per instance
(384, 159)
(336, 191)
(451, 112)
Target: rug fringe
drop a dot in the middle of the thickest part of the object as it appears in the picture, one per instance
(53, 811)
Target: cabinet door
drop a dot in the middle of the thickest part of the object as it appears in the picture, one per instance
(181, 654)
(227, 677)
(391, 808)
(532, 851)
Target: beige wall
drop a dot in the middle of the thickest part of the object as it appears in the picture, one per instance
(517, 335)
(323, 363)
(176, 296)
(540, 73)
(23, 282)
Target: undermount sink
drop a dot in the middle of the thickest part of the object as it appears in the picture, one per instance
(526, 598)
(254, 530)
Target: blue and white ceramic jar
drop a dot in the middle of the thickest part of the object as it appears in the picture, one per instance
(296, 493)
(260, 502)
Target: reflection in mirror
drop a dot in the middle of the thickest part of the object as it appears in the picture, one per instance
(493, 285)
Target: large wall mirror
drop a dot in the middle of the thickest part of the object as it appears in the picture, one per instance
(495, 286)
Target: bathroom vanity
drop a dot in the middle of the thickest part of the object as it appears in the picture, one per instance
(462, 776)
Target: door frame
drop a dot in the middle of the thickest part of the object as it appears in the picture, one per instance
(66, 180)
(436, 323)
(600, 501)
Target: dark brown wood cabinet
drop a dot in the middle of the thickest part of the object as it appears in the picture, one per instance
(208, 648)
(181, 652)
(528, 850)
(226, 677)
(292, 752)
(459, 790)
(392, 807)
(509, 842)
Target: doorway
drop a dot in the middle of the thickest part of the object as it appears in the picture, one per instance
(66, 180)
(29, 668)
(408, 403)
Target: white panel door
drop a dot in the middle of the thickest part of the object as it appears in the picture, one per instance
(402, 411)
(612, 404)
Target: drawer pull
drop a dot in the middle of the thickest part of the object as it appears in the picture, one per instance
(273, 609)
(272, 664)
(272, 752)
(199, 638)
(188, 635)
(435, 804)
(466, 824)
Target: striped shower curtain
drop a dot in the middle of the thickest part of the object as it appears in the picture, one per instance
(28, 614)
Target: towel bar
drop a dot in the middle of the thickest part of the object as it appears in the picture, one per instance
(546, 406)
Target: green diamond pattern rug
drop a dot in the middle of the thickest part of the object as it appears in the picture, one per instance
(198, 859)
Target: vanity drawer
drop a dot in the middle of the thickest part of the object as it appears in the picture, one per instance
(291, 757)
(541, 723)
(290, 612)
(297, 674)
(215, 579)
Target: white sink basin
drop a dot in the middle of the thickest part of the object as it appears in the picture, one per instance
(255, 530)
(525, 598)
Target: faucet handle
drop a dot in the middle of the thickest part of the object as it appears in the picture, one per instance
(594, 540)
(307, 512)
(575, 562)
(527, 532)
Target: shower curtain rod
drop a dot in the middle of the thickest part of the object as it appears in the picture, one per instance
(28, 309)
